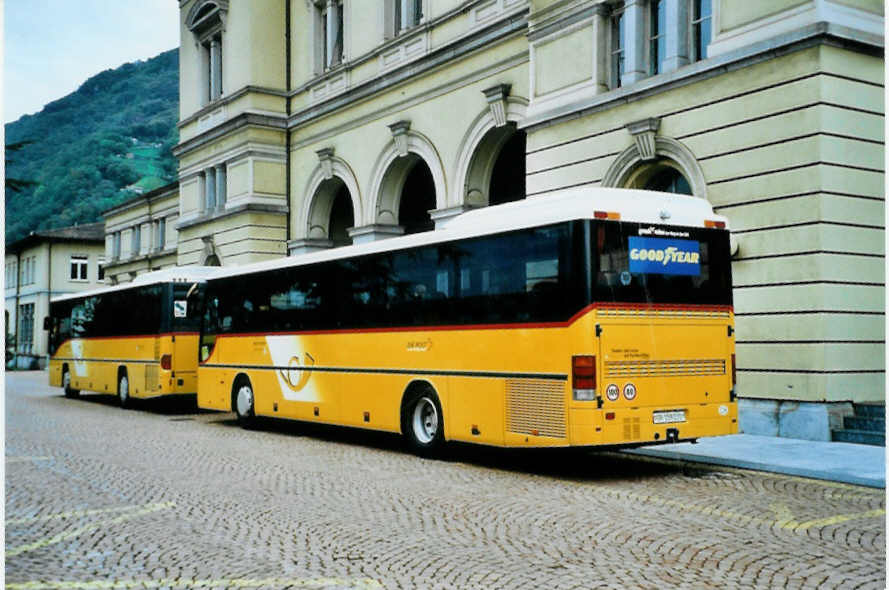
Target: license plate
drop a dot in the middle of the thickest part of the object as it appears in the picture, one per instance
(669, 417)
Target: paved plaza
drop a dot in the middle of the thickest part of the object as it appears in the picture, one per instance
(164, 496)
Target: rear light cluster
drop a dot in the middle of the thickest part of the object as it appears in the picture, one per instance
(167, 362)
(583, 377)
(606, 215)
(714, 223)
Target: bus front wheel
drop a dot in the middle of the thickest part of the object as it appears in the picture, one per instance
(66, 384)
(422, 422)
(123, 389)
(243, 401)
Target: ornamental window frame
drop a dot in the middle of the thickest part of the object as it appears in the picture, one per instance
(328, 53)
(207, 21)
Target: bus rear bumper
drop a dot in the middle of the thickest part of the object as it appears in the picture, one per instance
(637, 426)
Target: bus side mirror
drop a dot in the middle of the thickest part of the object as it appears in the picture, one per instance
(46, 323)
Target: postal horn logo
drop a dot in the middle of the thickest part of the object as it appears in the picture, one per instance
(297, 373)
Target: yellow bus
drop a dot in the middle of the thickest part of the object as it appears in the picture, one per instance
(138, 340)
(590, 317)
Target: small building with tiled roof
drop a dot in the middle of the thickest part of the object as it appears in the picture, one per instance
(45, 264)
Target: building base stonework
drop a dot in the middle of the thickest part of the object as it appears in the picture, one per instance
(792, 419)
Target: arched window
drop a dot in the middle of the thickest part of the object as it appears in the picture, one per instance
(667, 179)
(207, 21)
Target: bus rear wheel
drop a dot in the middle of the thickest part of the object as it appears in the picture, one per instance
(123, 390)
(422, 422)
(243, 402)
(66, 384)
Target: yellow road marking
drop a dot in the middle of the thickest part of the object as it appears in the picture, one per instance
(79, 513)
(355, 583)
(783, 517)
(26, 459)
(92, 526)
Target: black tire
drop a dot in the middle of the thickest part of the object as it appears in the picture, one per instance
(66, 384)
(422, 422)
(123, 390)
(244, 402)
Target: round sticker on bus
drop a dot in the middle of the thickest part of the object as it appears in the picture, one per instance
(629, 391)
(625, 278)
(612, 392)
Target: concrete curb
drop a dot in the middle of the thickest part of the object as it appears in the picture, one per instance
(855, 464)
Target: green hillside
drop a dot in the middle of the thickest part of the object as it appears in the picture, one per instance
(116, 131)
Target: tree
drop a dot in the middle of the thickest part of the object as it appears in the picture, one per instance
(16, 185)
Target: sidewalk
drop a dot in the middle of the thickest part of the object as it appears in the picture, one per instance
(835, 461)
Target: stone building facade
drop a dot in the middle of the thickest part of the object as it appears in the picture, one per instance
(42, 265)
(141, 234)
(309, 124)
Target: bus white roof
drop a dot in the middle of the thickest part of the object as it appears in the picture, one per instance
(177, 274)
(576, 203)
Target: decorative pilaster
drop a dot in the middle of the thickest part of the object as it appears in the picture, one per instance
(601, 51)
(496, 97)
(634, 34)
(220, 185)
(676, 30)
(399, 131)
(325, 156)
(644, 133)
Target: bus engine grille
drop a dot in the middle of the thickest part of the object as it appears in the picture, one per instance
(676, 368)
(536, 407)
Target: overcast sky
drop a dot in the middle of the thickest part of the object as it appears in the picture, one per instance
(52, 46)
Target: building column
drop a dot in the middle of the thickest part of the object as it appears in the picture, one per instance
(209, 191)
(220, 186)
(634, 34)
(331, 23)
(601, 49)
(676, 31)
(306, 245)
(215, 69)
(441, 217)
(204, 90)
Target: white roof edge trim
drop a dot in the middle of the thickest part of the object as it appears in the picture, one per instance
(167, 275)
(636, 206)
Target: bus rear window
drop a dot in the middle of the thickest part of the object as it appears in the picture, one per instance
(647, 264)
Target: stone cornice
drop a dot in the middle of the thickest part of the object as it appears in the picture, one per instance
(217, 215)
(227, 99)
(514, 25)
(810, 36)
(231, 125)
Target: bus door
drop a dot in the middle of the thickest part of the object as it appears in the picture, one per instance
(186, 322)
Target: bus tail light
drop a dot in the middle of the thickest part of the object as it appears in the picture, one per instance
(714, 223)
(167, 362)
(583, 377)
(734, 372)
(606, 214)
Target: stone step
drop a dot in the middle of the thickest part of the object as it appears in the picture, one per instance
(864, 423)
(861, 437)
(870, 410)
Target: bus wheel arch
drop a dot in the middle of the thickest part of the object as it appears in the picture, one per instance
(422, 419)
(123, 388)
(66, 382)
(243, 400)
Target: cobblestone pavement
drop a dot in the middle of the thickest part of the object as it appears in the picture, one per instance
(167, 497)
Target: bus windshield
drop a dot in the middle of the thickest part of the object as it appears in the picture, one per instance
(643, 263)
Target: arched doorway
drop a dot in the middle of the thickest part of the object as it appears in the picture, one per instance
(212, 260)
(497, 170)
(417, 197)
(342, 217)
(332, 213)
